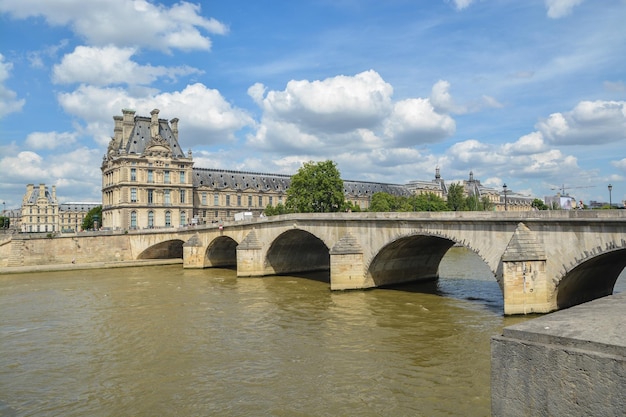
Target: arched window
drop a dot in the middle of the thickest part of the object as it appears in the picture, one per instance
(133, 219)
(150, 219)
(168, 218)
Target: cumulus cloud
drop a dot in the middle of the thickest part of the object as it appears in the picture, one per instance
(50, 140)
(110, 65)
(527, 144)
(462, 4)
(560, 8)
(415, 121)
(125, 22)
(343, 113)
(206, 117)
(8, 98)
(337, 104)
(589, 123)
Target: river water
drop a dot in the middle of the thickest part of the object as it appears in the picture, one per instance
(164, 341)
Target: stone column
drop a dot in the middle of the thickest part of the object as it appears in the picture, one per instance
(193, 253)
(347, 271)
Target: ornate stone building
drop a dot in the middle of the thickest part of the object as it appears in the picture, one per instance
(149, 182)
(40, 209)
(146, 177)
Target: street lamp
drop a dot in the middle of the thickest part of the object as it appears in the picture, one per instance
(610, 200)
(505, 202)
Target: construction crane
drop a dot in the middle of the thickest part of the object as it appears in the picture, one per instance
(562, 188)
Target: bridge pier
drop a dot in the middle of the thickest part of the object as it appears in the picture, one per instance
(250, 257)
(193, 253)
(525, 284)
(347, 269)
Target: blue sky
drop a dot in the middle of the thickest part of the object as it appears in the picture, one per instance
(528, 93)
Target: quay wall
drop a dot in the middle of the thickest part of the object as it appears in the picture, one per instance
(568, 363)
(29, 250)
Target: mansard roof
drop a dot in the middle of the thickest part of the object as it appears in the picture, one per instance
(239, 180)
(244, 180)
(140, 138)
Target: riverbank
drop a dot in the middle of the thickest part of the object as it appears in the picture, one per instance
(87, 265)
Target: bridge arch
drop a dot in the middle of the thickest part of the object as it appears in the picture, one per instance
(221, 252)
(408, 258)
(297, 250)
(169, 249)
(591, 278)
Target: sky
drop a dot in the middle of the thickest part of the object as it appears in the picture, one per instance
(531, 94)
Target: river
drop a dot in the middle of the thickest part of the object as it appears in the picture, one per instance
(164, 341)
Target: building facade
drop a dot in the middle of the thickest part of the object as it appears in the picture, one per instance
(42, 213)
(149, 182)
(146, 177)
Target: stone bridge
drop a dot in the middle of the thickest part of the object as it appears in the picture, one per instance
(542, 260)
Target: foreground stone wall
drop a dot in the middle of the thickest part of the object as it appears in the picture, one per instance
(568, 363)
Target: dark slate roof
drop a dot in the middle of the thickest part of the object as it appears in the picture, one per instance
(242, 180)
(77, 207)
(140, 137)
(239, 180)
(360, 188)
(32, 199)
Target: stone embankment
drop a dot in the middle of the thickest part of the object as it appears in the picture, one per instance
(568, 363)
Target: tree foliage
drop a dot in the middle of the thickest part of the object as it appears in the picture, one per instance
(456, 198)
(316, 188)
(422, 202)
(276, 210)
(93, 215)
(539, 204)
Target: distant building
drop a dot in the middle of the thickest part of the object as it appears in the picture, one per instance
(436, 186)
(42, 213)
(40, 209)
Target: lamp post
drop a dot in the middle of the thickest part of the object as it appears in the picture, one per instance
(4, 214)
(505, 202)
(610, 200)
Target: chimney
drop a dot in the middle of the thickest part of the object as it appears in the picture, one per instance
(174, 123)
(154, 123)
(42, 190)
(29, 192)
(117, 130)
(127, 125)
(54, 193)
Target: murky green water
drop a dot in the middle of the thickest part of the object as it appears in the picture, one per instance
(163, 341)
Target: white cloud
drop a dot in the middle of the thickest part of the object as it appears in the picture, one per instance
(462, 4)
(206, 117)
(415, 121)
(621, 164)
(50, 140)
(110, 65)
(8, 98)
(528, 144)
(125, 22)
(589, 123)
(26, 166)
(560, 8)
(617, 86)
(441, 99)
(338, 104)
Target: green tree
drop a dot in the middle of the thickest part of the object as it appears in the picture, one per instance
(539, 204)
(95, 214)
(486, 203)
(428, 202)
(5, 222)
(316, 188)
(275, 210)
(456, 198)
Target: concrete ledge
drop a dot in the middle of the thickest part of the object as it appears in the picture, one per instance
(568, 363)
(87, 265)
